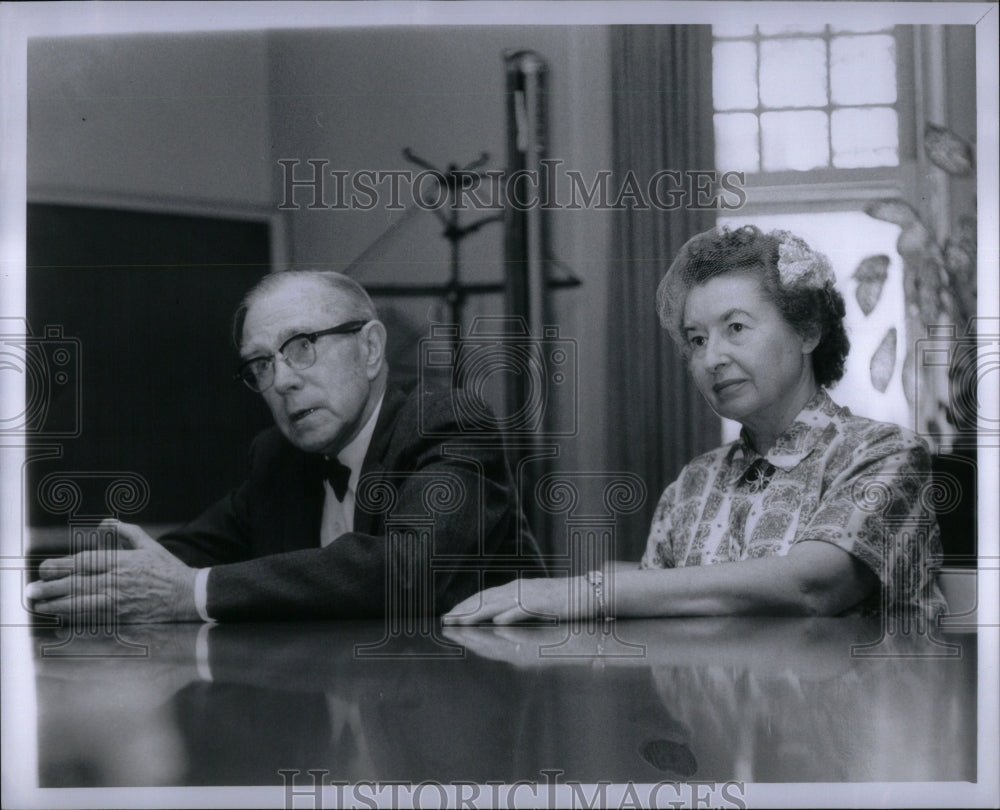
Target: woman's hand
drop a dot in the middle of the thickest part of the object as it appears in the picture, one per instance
(537, 600)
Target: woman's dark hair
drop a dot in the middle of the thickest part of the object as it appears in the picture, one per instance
(807, 299)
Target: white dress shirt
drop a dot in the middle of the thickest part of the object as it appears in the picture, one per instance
(338, 517)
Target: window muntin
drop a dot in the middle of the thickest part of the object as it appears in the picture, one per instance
(799, 98)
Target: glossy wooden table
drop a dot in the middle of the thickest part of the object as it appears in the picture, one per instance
(787, 700)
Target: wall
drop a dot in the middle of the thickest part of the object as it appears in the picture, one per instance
(199, 121)
(356, 98)
(164, 117)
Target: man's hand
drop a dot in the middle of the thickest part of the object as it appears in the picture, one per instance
(140, 583)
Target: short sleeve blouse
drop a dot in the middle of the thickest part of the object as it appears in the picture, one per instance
(831, 476)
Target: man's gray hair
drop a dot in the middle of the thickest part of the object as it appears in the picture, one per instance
(347, 291)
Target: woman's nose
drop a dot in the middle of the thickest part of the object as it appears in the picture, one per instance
(716, 353)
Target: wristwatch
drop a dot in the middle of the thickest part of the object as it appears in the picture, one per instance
(596, 580)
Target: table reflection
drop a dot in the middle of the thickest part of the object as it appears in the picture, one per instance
(763, 700)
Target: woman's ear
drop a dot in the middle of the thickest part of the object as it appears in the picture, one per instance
(811, 340)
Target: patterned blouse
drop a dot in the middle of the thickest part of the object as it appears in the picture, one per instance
(862, 485)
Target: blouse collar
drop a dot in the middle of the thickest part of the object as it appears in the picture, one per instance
(798, 440)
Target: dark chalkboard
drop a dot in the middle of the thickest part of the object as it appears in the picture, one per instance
(143, 301)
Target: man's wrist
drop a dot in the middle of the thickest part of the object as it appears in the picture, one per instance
(201, 652)
(201, 594)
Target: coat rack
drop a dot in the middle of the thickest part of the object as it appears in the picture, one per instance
(455, 292)
(528, 261)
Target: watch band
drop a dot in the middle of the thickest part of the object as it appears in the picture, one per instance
(596, 580)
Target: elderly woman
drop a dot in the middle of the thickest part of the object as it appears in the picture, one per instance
(812, 510)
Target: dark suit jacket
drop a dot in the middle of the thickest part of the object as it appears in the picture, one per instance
(436, 517)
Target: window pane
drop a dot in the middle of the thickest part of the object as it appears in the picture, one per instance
(794, 140)
(733, 29)
(734, 75)
(793, 73)
(736, 143)
(865, 137)
(863, 70)
(774, 28)
(874, 23)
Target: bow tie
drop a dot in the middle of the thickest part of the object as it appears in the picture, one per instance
(337, 475)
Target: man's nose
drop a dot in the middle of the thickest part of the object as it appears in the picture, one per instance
(286, 378)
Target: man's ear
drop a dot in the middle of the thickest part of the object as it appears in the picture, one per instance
(373, 339)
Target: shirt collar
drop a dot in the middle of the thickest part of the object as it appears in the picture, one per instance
(353, 455)
(799, 439)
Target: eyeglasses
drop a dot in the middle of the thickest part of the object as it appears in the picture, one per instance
(299, 352)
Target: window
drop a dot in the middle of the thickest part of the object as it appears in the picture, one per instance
(817, 118)
(799, 98)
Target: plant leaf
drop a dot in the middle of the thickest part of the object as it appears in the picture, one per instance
(895, 211)
(961, 281)
(915, 240)
(957, 258)
(871, 275)
(947, 151)
(873, 268)
(966, 233)
(883, 362)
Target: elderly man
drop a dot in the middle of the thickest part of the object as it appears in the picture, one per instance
(306, 535)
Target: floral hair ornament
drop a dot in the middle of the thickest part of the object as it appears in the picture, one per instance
(799, 265)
